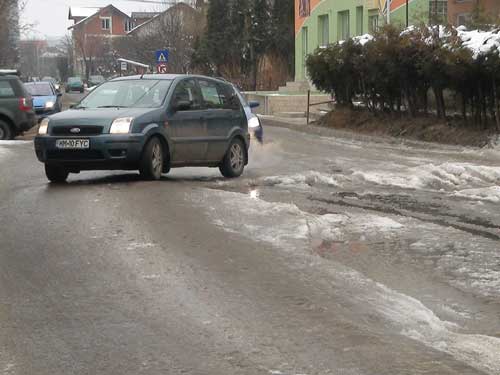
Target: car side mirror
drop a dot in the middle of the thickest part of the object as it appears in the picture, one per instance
(183, 105)
(253, 104)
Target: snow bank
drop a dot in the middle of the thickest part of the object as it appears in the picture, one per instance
(310, 178)
(451, 177)
(491, 194)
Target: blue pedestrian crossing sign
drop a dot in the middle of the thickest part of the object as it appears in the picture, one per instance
(162, 56)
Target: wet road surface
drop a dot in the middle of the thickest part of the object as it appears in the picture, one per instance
(329, 256)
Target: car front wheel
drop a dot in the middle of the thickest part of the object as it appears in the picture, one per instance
(234, 161)
(55, 173)
(151, 165)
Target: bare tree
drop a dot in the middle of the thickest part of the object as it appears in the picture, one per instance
(175, 29)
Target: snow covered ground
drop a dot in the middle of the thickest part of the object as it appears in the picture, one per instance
(410, 233)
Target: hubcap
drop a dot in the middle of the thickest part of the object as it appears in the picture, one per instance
(157, 160)
(236, 157)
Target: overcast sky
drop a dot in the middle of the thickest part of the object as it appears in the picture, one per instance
(50, 17)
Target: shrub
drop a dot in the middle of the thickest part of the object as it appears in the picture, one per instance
(396, 70)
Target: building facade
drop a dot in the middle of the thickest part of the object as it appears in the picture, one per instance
(460, 11)
(320, 22)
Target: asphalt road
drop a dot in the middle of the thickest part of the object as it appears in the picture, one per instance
(329, 256)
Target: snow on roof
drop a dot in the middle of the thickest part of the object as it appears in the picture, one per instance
(82, 11)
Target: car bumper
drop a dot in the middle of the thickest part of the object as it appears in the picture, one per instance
(27, 121)
(106, 151)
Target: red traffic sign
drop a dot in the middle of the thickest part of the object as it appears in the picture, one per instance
(161, 68)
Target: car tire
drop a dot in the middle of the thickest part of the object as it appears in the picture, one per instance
(81, 91)
(234, 161)
(5, 131)
(56, 174)
(151, 165)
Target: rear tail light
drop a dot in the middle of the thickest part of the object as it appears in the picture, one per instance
(25, 104)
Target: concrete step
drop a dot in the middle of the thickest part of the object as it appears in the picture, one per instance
(296, 86)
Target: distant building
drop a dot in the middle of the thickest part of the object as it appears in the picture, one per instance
(183, 14)
(93, 31)
(460, 11)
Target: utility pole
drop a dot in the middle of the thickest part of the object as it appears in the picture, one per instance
(388, 4)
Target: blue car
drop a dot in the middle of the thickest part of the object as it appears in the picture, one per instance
(255, 128)
(46, 99)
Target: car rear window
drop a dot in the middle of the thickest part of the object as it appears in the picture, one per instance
(39, 89)
(6, 90)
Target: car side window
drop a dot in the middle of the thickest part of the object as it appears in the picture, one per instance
(229, 98)
(186, 91)
(210, 94)
(6, 90)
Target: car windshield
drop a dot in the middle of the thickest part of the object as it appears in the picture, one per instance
(39, 89)
(139, 93)
(74, 80)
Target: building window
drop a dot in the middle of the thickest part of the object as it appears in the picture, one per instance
(438, 11)
(359, 20)
(129, 25)
(343, 21)
(463, 19)
(373, 22)
(323, 30)
(106, 23)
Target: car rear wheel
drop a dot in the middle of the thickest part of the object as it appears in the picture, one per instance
(151, 166)
(5, 131)
(55, 173)
(234, 161)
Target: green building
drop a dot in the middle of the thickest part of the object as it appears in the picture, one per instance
(320, 22)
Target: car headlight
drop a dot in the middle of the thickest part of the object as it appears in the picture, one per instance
(121, 125)
(44, 125)
(49, 105)
(254, 122)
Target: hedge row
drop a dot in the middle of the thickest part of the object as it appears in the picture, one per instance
(396, 71)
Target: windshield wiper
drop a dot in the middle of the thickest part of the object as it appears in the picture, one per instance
(111, 106)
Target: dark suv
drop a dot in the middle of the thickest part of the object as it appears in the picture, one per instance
(16, 107)
(150, 123)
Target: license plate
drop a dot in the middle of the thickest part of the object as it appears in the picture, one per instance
(77, 144)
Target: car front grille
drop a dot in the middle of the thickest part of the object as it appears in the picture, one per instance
(74, 155)
(84, 130)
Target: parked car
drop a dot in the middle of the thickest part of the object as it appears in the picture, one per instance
(74, 84)
(46, 99)
(151, 123)
(16, 107)
(95, 80)
(54, 82)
